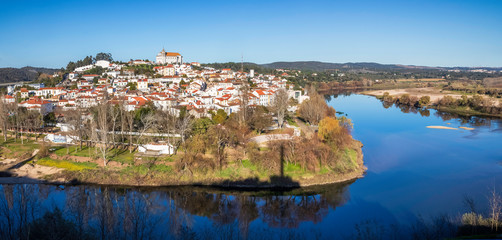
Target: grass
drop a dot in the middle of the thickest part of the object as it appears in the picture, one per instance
(16, 149)
(351, 156)
(67, 165)
(143, 169)
(117, 155)
(237, 170)
(293, 170)
(292, 122)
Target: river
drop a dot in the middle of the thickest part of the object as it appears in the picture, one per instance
(415, 174)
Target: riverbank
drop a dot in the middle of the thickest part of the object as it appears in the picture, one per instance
(442, 100)
(59, 168)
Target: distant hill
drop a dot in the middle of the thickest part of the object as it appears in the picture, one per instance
(8, 75)
(323, 66)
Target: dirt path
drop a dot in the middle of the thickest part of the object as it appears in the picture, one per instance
(262, 139)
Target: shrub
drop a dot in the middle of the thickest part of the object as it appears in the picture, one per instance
(43, 151)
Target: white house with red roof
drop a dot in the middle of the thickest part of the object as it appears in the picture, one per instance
(142, 84)
(165, 70)
(35, 103)
(9, 99)
(265, 98)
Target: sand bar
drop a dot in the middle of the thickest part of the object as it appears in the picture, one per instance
(442, 127)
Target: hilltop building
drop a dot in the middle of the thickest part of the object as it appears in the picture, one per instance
(169, 58)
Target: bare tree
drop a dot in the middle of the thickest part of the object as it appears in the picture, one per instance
(244, 104)
(4, 117)
(15, 118)
(93, 134)
(103, 126)
(495, 201)
(280, 105)
(147, 123)
(166, 124)
(129, 118)
(76, 122)
(313, 109)
(114, 116)
(219, 136)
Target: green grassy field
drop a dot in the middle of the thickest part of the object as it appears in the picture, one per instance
(67, 165)
(13, 149)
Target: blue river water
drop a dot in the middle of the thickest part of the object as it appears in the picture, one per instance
(414, 173)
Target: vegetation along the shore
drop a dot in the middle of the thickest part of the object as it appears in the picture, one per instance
(255, 147)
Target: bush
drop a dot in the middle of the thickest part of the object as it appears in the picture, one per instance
(43, 151)
(424, 101)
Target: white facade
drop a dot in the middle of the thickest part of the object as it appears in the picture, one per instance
(168, 58)
(103, 63)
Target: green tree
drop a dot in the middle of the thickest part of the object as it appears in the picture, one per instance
(424, 101)
(50, 118)
(201, 125)
(219, 117)
(104, 56)
(132, 86)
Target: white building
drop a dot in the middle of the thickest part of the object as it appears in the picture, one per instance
(168, 58)
(84, 68)
(103, 63)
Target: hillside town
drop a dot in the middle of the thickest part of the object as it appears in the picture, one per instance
(176, 85)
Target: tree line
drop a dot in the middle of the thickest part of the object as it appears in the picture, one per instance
(475, 102)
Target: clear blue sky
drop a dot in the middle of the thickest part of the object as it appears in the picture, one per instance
(427, 32)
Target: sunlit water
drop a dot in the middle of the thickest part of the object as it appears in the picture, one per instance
(413, 171)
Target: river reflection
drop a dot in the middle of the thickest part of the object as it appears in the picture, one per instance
(112, 213)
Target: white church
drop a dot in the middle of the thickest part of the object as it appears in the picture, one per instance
(168, 58)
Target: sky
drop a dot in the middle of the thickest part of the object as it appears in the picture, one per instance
(428, 32)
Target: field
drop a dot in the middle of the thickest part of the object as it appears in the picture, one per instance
(493, 82)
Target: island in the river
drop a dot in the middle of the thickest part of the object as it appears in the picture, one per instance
(255, 148)
(462, 102)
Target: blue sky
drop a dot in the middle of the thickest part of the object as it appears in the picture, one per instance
(428, 32)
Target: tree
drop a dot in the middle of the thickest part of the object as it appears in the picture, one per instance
(219, 117)
(280, 105)
(424, 101)
(495, 202)
(132, 86)
(114, 117)
(129, 119)
(243, 113)
(103, 127)
(201, 125)
(405, 99)
(50, 118)
(447, 101)
(328, 129)
(463, 101)
(4, 117)
(147, 123)
(104, 56)
(331, 131)
(219, 136)
(314, 109)
(183, 126)
(259, 119)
